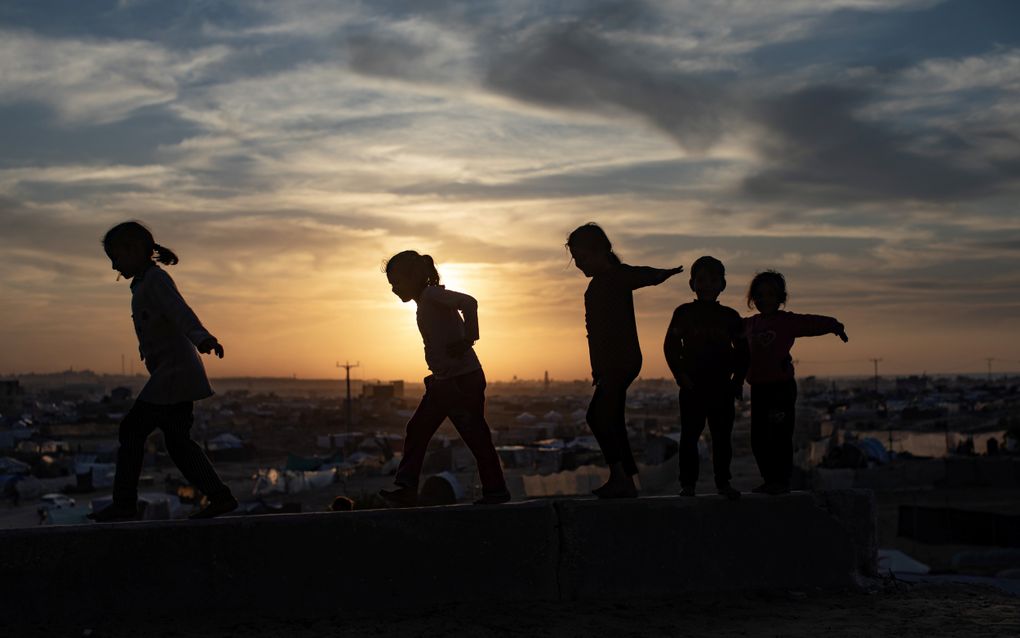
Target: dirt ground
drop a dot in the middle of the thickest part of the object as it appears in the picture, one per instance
(891, 609)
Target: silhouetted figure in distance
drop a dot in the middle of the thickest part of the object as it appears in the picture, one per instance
(612, 346)
(770, 335)
(170, 336)
(448, 322)
(707, 353)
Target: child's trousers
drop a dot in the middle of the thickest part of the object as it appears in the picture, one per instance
(607, 419)
(712, 402)
(175, 422)
(462, 399)
(772, 420)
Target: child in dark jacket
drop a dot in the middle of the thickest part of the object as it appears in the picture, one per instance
(707, 354)
(770, 335)
(613, 347)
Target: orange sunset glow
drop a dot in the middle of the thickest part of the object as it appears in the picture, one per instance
(283, 154)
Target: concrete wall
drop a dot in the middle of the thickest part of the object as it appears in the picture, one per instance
(538, 550)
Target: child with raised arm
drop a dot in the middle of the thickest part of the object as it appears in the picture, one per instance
(612, 346)
(770, 335)
(707, 353)
(448, 322)
(170, 337)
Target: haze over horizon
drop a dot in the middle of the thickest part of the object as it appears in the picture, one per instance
(868, 150)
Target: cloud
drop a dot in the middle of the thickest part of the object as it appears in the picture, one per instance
(818, 149)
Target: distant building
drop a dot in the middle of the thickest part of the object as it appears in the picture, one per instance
(10, 396)
(390, 390)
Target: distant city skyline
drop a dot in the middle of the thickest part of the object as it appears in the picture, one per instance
(869, 150)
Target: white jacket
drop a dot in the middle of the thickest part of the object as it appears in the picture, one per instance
(168, 333)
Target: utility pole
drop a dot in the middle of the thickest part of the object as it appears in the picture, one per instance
(989, 361)
(122, 365)
(347, 368)
(875, 362)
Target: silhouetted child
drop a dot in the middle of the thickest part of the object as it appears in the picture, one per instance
(613, 347)
(707, 353)
(168, 335)
(770, 335)
(456, 387)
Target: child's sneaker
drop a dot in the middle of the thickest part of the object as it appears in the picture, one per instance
(728, 492)
(761, 489)
(114, 513)
(494, 498)
(687, 490)
(215, 508)
(401, 497)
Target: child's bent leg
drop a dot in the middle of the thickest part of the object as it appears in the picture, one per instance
(692, 423)
(468, 416)
(421, 427)
(175, 422)
(135, 428)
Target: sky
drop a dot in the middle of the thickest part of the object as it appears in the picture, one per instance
(869, 150)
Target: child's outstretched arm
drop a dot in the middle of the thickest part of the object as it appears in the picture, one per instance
(641, 276)
(816, 326)
(170, 301)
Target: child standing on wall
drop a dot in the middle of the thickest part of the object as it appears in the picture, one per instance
(707, 353)
(770, 335)
(170, 337)
(448, 322)
(612, 346)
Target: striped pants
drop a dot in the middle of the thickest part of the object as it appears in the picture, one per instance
(175, 422)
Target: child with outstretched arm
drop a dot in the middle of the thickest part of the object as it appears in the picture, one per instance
(770, 336)
(612, 346)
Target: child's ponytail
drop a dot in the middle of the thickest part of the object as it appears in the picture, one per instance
(428, 267)
(164, 255)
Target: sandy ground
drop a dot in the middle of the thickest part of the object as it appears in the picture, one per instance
(892, 609)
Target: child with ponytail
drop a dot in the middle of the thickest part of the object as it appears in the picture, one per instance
(170, 337)
(448, 322)
(612, 346)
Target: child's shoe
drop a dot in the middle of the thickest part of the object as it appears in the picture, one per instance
(401, 497)
(728, 492)
(215, 508)
(761, 489)
(114, 513)
(687, 490)
(494, 498)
